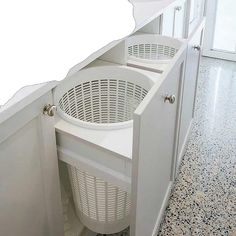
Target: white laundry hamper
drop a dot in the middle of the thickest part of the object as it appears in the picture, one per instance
(101, 206)
(101, 98)
(152, 48)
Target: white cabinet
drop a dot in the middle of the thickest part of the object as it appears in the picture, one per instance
(182, 18)
(140, 158)
(194, 16)
(190, 88)
(29, 182)
(154, 150)
(173, 22)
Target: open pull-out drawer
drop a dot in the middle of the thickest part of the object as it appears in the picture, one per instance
(117, 134)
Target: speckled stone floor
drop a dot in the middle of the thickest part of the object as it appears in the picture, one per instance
(203, 200)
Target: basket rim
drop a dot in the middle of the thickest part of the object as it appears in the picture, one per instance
(97, 73)
(93, 125)
(150, 61)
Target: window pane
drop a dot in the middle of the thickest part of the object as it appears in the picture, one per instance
(225, 29)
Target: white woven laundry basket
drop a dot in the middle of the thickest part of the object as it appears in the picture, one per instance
(102, 97)
(101, 206)
(152, 48)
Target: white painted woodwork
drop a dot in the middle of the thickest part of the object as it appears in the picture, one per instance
(154, 148)
(153, 9)
(195, 14)
(29, 182)
(117, 54)
(173, 20)
(168, 18)
(179, 21)
(189, 90)
(21, 94)
(153, 27)
(208, 50)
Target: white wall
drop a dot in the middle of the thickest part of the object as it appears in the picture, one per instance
(41, 40)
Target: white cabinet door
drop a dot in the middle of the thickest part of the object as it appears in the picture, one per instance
(179, 22)
(195, 14)
(153, 152)
(168, 18)
(189, 90)
(29, 184)
(173, 20)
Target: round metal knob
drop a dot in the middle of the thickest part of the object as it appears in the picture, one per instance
(197, 47)
(178, 8)
(170, 99)
(49, 110)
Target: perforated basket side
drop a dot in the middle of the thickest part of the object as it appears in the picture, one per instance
(152, 47)
(152, 51)
(101, 206)
(103, 101)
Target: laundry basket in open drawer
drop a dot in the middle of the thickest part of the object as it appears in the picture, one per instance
(152, 48)
(100, 99)
(101, 206)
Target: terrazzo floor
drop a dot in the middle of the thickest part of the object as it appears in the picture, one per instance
(203, 199)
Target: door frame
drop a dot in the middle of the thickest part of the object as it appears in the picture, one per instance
(208, 50)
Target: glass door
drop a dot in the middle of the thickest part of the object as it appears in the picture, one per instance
(220, 35)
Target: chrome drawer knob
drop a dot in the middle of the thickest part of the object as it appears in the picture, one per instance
(171, 99)
(178, 8)
(197, 47)
(49, 110)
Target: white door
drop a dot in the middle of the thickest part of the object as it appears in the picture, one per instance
(173, 20)
(155, 125)
(168, 18)
(29, 184)
(179, 23)
(220, 35)
(189, 88)
(194, 16)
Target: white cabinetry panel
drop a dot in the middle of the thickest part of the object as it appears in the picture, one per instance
(155, 124)
(173, 22)
(29, 182)
(195, 14)
(189, 90)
